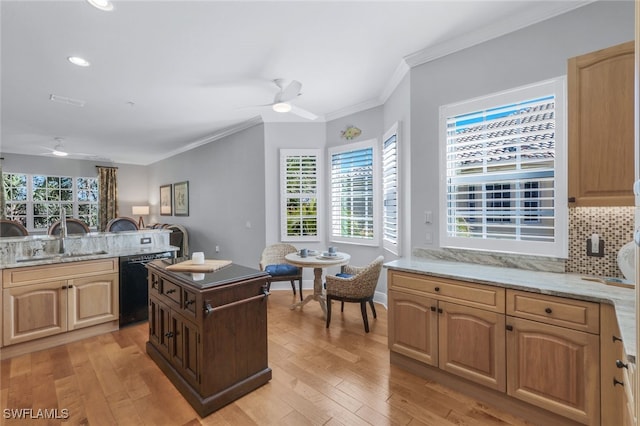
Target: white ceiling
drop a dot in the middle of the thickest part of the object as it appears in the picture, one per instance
(166, 76)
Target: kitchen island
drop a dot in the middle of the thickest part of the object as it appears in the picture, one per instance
(208, 331)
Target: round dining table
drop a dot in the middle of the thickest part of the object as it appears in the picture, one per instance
(318, 262)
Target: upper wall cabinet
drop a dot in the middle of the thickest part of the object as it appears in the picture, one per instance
(601, 127)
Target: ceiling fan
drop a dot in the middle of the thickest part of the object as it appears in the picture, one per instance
(59, 151)
(282, 99)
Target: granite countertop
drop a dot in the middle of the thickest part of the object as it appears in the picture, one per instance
(550, 283)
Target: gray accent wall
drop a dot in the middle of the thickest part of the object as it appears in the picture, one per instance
(532, 54)
(226, 195)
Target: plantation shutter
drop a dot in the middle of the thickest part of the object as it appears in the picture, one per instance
(352, 197)
(299, 187)
(390, 233)
(500, 166)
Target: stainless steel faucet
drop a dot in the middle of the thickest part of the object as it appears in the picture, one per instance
(63, 228)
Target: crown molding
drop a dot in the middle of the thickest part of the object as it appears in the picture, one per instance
(222, 133)
(401, 70)
(513, 23)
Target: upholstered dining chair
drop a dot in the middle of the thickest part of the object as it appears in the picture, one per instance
(12, 228)
(121, 224)
(272, 261)
(356, 284)
(74, 226)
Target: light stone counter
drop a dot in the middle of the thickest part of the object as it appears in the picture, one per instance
(45, 250)
(551, 283)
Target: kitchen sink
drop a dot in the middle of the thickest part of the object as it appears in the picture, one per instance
(60, 256)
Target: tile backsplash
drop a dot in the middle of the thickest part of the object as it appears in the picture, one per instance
(613, 224)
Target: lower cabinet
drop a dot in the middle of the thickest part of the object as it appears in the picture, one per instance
(543, 350)
(554, 368)
(45, 308)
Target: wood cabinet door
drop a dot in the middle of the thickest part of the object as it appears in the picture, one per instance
(184, 348)
(413, 326)
(601, 127)
(554, 368)
(159, 327)
(34, 311)
(472, 344)
(93, 300)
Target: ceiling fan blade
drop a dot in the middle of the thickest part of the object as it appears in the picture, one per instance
(292, 91)
(303, 113)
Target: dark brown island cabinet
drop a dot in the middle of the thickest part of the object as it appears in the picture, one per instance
(208, 332)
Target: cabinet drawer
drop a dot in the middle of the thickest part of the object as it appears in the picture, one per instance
(570, 313)
(468, 294)
(14, 277)
(171, 293)
(189, 302)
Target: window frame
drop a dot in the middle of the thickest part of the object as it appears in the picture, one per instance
(298, 152)
(376, 207)
(559, 247)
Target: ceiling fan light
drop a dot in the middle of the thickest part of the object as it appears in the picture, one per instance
(105, 5)
(60, 153)
(282, 107)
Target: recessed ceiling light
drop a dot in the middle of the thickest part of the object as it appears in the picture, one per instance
(282, 107)
(77, 60)
(105, 5)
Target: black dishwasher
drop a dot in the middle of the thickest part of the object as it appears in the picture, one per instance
(134, 293)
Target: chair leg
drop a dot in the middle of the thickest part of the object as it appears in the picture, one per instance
(293, 287)
(300, 285)
(342, 306)
(328, 310)
(373, 308)
(363, 308)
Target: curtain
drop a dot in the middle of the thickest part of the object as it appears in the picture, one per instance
(3, 202)
(108, 187)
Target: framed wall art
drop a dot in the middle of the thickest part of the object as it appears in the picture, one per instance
(165, 200)
(181, 198)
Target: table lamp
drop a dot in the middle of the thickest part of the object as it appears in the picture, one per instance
(140, 211)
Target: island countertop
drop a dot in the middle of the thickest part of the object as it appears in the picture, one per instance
(203, 280)
(551, 283)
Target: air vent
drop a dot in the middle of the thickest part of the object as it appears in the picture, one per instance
(68, 101)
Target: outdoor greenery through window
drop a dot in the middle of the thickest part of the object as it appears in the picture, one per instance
(36, 200)
(300, 188)
(504, 157)
(353, 193)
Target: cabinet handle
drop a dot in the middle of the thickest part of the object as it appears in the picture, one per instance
(509, 327)
(616, 339)
(548, 310)
(572, 199)
(439, 310)
(189, 302)
(433, 309)
(437, 289)
(154, 284)
(64, 287)
(617, 382)
(169, 334)
(621, 364)
(173, 290)
(70, 285)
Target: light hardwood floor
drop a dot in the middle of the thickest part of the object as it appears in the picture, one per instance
(339, 376)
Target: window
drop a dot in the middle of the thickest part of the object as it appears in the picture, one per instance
(299, 187)
(390, 205)
(36, 200)
(354, 202)
(506, 171)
